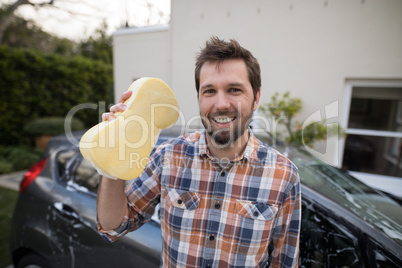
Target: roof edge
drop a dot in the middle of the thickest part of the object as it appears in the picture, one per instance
(146, 29)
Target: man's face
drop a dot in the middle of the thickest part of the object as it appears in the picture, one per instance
(226, 100)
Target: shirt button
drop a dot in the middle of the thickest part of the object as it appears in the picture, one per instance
(217, 206)
(256, 213)
(179, 201)
(212, 238)
(223, 173)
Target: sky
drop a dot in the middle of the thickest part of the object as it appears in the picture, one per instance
(78, 19)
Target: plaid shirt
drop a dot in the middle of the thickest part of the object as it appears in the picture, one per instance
(244, 214)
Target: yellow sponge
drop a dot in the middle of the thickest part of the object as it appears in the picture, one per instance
(120, 148)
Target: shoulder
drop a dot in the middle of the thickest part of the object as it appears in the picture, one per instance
(276, 158)
(184, 141)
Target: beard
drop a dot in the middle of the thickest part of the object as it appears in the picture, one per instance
(224, 137)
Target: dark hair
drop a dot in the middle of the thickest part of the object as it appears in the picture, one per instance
(218, 50)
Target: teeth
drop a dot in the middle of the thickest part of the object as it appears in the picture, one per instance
(223, 119)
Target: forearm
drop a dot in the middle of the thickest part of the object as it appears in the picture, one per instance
(111, 203)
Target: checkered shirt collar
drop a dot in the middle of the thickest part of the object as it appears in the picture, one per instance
(250, 153)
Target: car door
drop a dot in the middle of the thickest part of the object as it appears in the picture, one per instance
(333, 237)
(384, 254)
(76, 207)
(59, 215)
(328, 242)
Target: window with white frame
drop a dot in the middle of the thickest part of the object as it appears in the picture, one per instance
(374, 131)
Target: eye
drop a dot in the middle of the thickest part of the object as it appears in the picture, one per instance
(235, 90)
(208, 91)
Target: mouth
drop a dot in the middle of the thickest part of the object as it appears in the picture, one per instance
(223, 119)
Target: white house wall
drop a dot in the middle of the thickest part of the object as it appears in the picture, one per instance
(138, 53)
(310, 47)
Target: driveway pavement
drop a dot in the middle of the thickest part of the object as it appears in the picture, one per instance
(12, 180)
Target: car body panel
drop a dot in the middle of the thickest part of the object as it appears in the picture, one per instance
(56, 218)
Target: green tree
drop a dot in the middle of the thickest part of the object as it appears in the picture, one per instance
(98, 46)
(283, 109)
(35, 85)
(7, 12)
(22, 33)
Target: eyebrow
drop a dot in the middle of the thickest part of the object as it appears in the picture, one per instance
(234, 84)
(206, 86)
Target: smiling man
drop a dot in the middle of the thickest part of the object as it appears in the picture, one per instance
(227, 102)
(227, 199)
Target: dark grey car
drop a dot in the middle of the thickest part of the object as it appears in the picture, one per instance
(344, 222)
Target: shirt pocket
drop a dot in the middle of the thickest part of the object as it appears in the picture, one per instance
(256, 210)
(184, 199)
(253, 228)
(182, 217)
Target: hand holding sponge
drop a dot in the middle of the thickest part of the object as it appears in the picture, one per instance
(120, 148)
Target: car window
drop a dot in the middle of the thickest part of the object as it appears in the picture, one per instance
(337, 185)
(64, 158)
(157, 214)
(382, 257)
(326, 243)
(86, 177)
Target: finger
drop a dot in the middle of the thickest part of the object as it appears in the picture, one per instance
(111, 117)
(119, 107)
(105, 116)
(108, 117)
(125, 96)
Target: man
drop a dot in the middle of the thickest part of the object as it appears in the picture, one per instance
(227, 199)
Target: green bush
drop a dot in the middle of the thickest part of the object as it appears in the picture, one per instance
(15, 158)
(35, 85)
(283, 109)
(51, 126)
(6, 167)
(8, 199)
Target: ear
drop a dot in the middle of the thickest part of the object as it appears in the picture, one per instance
(257, 99)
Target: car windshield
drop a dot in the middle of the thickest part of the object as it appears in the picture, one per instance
(337, 185)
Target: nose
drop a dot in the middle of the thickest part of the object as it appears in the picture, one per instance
(222, 101)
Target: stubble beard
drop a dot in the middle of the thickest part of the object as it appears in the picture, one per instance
(226, 137)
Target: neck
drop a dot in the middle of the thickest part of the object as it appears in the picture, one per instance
(230, 151)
